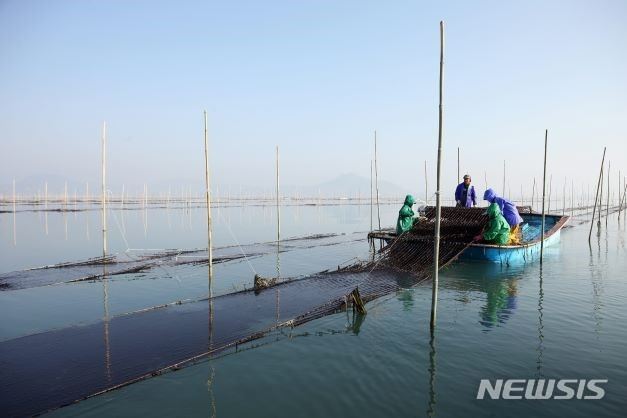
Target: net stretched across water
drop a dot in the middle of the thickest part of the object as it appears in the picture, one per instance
(90, 359)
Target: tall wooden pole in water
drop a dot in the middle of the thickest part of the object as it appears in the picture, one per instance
(564, 197)
(208, 198)
(619, 191)
(278, 204)
(104, 191)
(426, 184)
(371, 200)
(622, 202)
(607, 209)
(438, 209)
(376, 178)
(596, 198)
(533, 192)
(504, 178)
(14, 218)
(546, 138)
(458, 164)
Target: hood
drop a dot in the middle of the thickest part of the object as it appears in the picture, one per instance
(409, 200)
(489, 195)
(493, 210)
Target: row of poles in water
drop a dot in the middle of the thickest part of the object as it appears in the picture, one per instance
(437, 193)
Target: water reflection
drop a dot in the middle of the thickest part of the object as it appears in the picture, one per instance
(355, 324)
(105, 289)
(212, 399)
(499, 283)
(278, 278)
(432, 375)
(406, 297)
(596, 279)
(501, 302)
(540, 349)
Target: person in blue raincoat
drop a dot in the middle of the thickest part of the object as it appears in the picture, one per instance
(510, 213)
(406, 215)
(465, 194)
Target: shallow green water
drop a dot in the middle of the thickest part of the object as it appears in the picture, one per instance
(564, 320)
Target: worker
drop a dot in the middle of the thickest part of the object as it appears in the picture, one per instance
(465, 196)
(497, 231)
(509, 211)
(406, 215)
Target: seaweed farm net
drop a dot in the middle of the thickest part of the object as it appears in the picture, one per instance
(86, 360)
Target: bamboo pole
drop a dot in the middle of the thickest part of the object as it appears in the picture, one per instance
(438, 209)
(104, 191)
(619, 188)
(14, 217)
(597, 195)
(622, 202)
(504, 194)
(278, 205)
(208, 200)
(46, 206)
(607, 209)
(376, 179)
(601, 197)
(426, 185)
(548, 210)
(371, 200)
(546, 140)
(533, 192)
(564, 197)
(458, 164)
(572, 197)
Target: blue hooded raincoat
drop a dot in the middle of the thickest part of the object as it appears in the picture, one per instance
(508, 209)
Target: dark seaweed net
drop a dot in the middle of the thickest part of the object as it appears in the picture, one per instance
(81, 362)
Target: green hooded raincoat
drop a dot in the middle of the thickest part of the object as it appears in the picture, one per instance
(498, 228)
(405, 215)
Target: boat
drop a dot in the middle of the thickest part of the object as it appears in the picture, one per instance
(527, 251)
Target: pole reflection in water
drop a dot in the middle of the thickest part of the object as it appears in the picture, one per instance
(540, 349)
(278, 277)
(212, 371)
(87, 224)
(597, 282)
(14, 218)
(106, 321)
(432, 374)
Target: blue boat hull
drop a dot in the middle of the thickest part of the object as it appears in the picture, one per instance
(518, 254)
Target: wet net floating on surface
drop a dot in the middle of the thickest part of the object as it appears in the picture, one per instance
(45, 371)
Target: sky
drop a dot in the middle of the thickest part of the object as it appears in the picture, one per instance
(315, 78)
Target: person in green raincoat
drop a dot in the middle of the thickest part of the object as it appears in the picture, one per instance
(405, 215)
(498, 229)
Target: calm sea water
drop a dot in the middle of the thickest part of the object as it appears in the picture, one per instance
(564, 320)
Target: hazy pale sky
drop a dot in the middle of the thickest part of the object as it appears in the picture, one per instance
(315, 77)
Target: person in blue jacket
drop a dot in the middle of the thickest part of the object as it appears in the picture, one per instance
(510, 213)
(465, 194)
